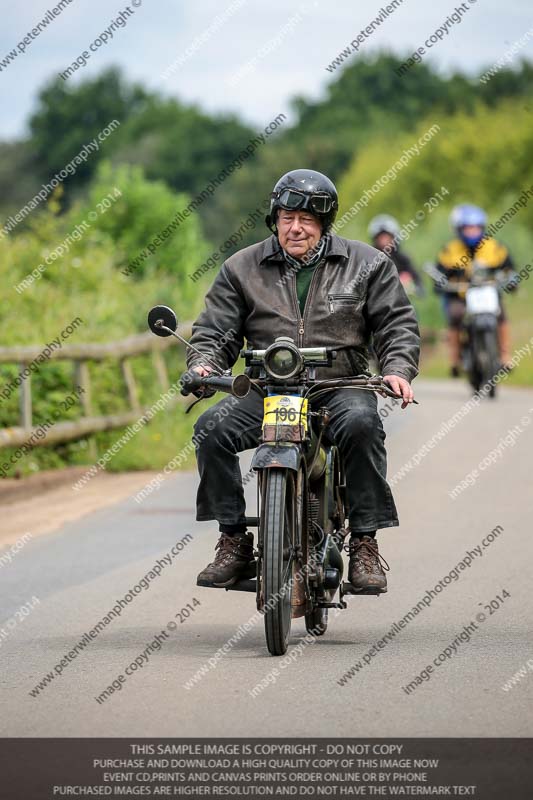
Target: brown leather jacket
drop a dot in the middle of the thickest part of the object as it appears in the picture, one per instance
(355, 294)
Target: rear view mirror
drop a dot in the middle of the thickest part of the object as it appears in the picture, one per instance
(159, 316)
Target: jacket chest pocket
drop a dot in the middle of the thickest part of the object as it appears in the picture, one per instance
(344, 304)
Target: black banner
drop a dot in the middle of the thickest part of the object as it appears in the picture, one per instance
(487, 769)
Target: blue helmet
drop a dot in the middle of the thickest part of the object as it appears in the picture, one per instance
(467, 214)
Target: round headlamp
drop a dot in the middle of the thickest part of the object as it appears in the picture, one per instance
(283, 360)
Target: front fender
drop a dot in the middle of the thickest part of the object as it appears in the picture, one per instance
(270, 455)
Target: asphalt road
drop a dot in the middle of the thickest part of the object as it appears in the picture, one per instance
(78, 572)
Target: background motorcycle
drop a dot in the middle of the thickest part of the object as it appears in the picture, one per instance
(480, 350)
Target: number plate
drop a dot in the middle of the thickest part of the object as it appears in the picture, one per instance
(283, 409)
(482, 300)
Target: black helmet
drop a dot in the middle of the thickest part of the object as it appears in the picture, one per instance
(304, 189)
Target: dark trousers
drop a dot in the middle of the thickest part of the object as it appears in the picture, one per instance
(232, 425)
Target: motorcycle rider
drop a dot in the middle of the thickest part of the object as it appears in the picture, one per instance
(456, 262)
(320, 289)
(384, 232)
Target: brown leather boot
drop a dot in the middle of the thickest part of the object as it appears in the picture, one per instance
(365, 571)
(234, 560)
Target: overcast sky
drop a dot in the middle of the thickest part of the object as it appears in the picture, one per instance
(247, 56)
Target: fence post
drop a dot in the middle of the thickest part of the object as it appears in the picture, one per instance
(131, 386)
(83, 380)
(161, 369)
(25, 400)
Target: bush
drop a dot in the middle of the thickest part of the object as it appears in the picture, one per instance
(85, 281)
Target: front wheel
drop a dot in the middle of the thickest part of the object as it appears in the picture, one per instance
(279, 536)
(485, 360)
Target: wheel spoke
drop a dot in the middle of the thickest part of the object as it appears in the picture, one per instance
(288, 571)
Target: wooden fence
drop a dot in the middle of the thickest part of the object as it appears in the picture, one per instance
(81, 355)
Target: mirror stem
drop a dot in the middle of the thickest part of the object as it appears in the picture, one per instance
(215, 366)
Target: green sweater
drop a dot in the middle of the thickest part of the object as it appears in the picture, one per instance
(303, 281)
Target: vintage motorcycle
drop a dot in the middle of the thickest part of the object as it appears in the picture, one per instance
(301, 517)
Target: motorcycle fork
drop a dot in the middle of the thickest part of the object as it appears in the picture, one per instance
(297, 554)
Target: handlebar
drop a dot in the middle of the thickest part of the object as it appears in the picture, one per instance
(372, 384)
(463, 286)
(240, 385)
(480, 277)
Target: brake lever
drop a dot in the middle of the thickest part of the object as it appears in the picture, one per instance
(386, 391)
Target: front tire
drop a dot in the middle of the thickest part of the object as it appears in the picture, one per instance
(278, 517)
(485, 360)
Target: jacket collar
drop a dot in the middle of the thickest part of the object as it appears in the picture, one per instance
(272, 249)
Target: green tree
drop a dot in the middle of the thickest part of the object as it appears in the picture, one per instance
(146, 208)
(477, 155)
(180, 144)
(18, 178)
(68, 116)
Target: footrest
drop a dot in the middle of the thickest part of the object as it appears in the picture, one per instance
(252, 522)
(244, 585)
(347, 588)
(342, 604)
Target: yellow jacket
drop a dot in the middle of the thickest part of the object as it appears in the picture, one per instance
(456, 259)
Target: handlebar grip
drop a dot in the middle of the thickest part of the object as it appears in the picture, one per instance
(191, 381)
(386, 389)
(239, 386)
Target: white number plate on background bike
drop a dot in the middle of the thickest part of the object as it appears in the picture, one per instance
(482, 300)
(285, 409)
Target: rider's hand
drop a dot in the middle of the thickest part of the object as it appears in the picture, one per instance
(511, 284)
(401, 387)
(202, 370)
